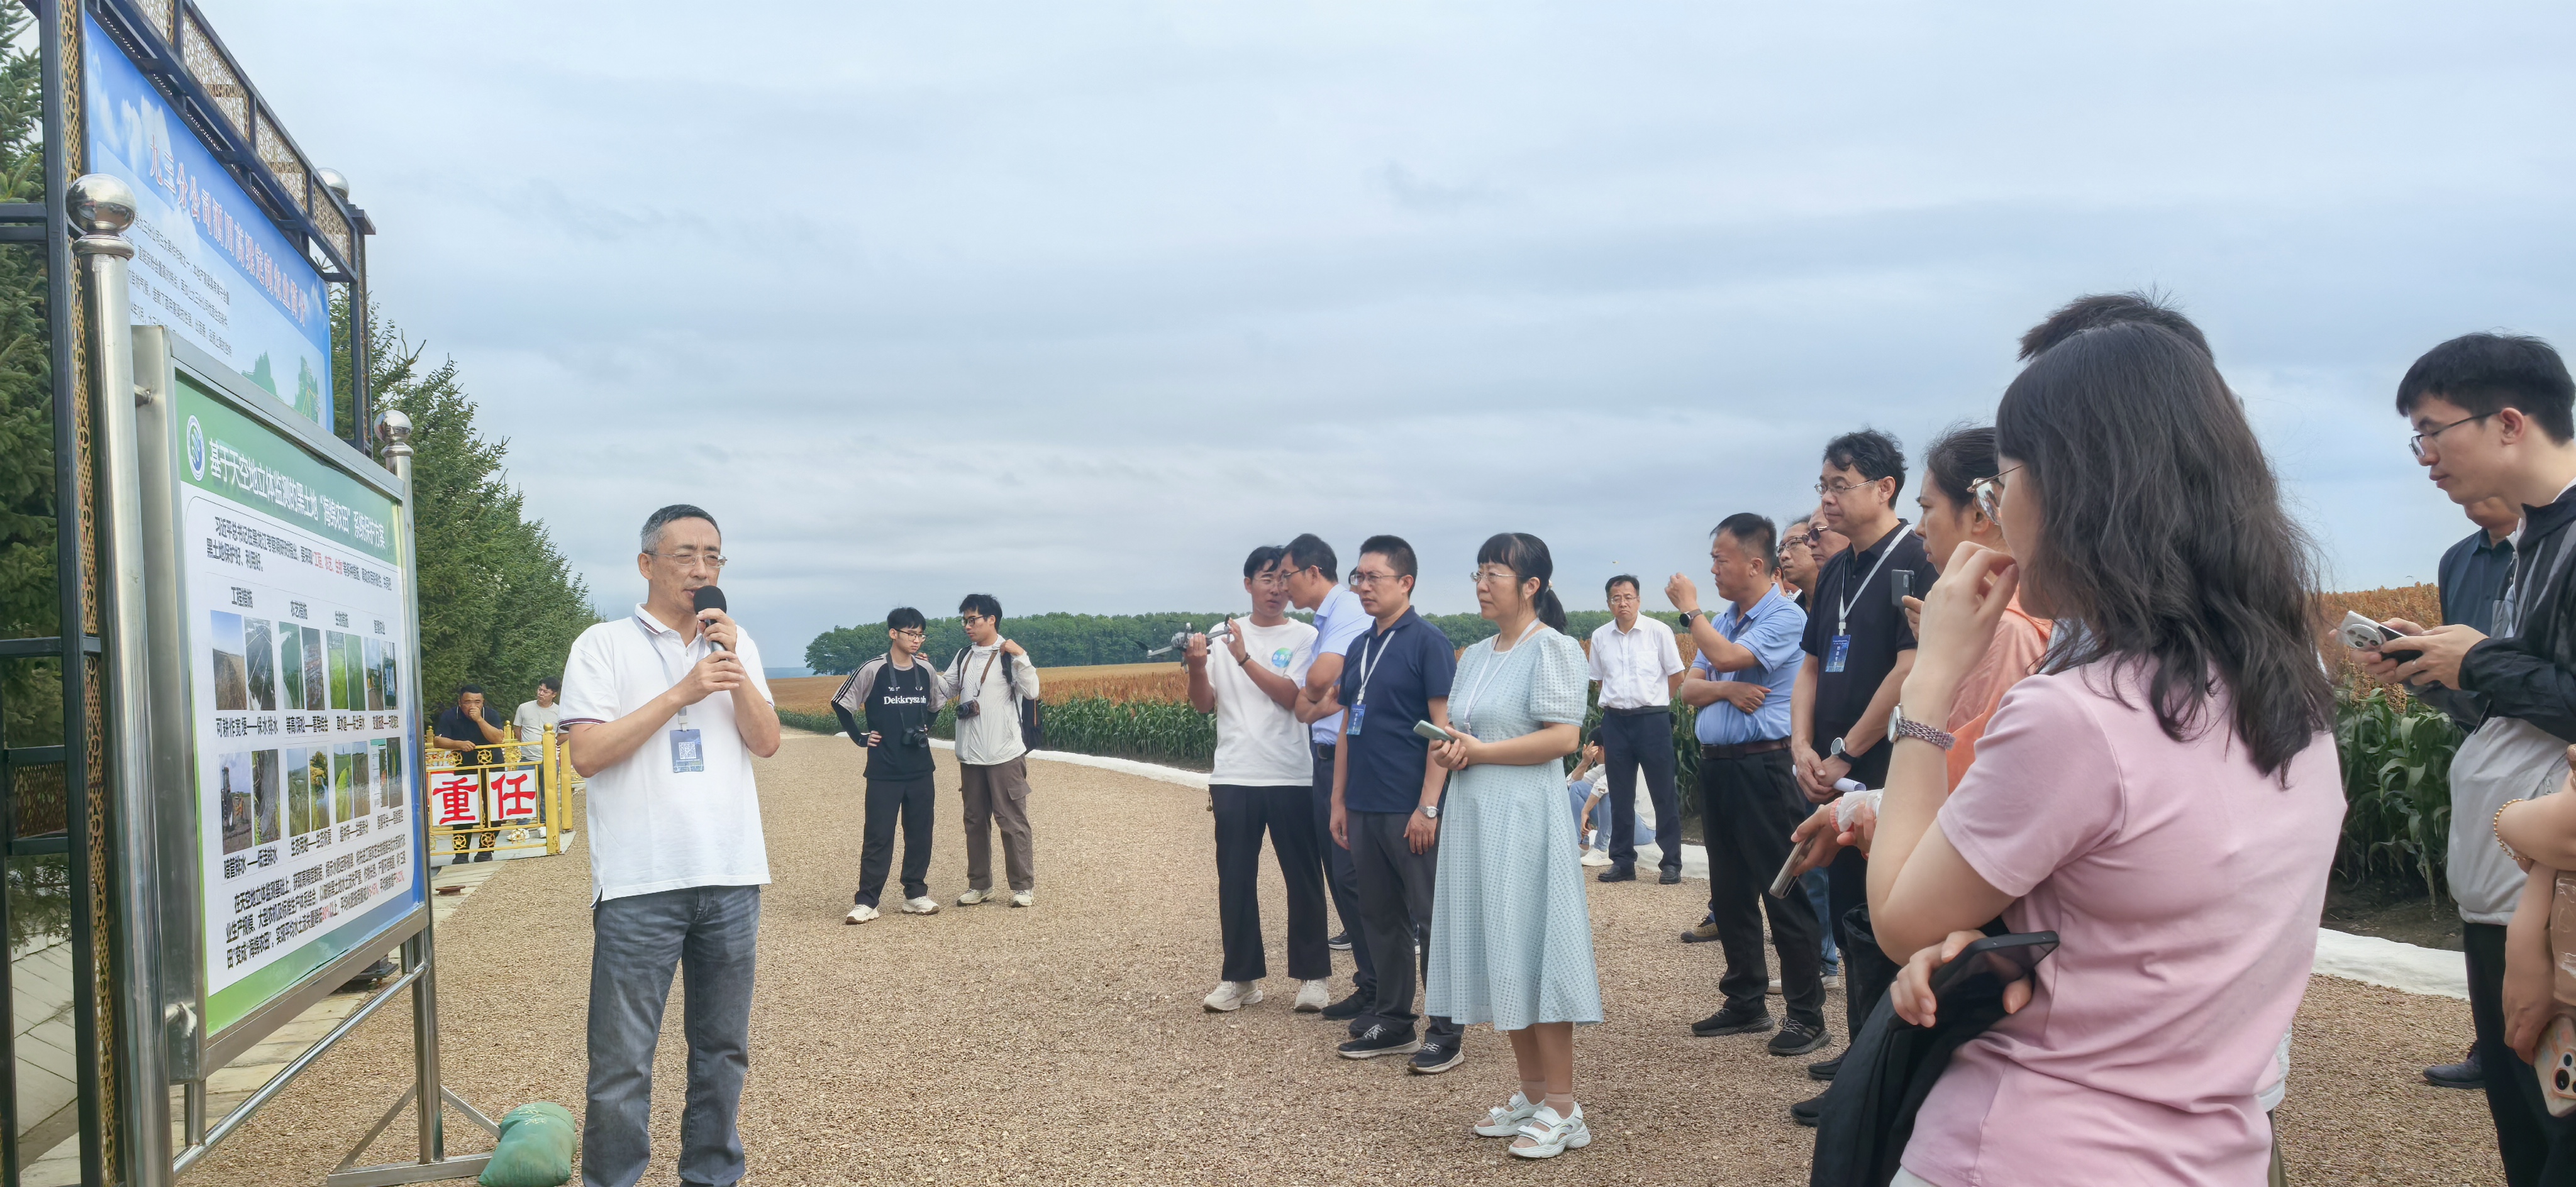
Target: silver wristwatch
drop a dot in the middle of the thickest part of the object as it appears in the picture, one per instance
(1429, 811)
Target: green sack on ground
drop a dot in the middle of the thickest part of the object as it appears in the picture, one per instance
(535, 1150)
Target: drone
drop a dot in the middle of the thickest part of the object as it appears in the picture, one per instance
(1181, 639)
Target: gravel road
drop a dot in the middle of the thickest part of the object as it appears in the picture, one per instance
(1064, 1044)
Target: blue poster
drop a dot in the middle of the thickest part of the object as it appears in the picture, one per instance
(208, 263)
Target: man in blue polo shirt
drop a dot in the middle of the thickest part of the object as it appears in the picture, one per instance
(1386, 797)
(1749, 657)
(1315, 583)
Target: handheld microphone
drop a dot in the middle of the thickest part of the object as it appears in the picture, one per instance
(708, 597)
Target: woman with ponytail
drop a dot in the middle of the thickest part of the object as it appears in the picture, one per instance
(1511, 935)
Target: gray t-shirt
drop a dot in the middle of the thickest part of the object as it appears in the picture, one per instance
(532, 720)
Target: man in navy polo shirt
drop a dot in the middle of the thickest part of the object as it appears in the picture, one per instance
(1386, 797)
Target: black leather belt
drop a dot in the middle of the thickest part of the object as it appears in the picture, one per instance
(1744, 750)
(1324, 750)
(1636, 712)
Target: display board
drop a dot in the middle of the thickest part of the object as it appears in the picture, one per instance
(307, 832)
(208, 263)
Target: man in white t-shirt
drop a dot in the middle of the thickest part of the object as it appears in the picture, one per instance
(664, 711)
(1264, 779)
(530, 723)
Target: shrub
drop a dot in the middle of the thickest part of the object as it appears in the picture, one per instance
(2396, 758)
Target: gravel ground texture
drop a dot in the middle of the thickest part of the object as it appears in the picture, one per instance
(1065, 1044)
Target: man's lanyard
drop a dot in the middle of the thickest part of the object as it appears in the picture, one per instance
(1842, 617)
(1368, 660)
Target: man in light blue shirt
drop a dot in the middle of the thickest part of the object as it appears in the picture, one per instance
(1314, 583)
(1749, 657)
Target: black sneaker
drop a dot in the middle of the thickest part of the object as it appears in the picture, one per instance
(1619, 874)
(1825, 1069)
(1732, 1021)
(1439, 1053)
(1798, 1038)
(2464, 1074)
(1341, 942)
(1670, 877)
(1348, 1007)
(1381, 1039)
(1806, 1112)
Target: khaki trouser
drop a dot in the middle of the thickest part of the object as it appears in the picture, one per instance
(998, 794)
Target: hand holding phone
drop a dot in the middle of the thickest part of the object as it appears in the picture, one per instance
(1433, 732)
(2362, 634)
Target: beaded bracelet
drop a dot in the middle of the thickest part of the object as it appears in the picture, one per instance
(2497, 826)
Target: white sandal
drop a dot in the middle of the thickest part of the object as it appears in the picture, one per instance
(1507, 1121)
(1552, 1135)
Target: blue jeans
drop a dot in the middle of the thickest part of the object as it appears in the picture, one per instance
(1579, 791)
(1815, 884)
(710, 933)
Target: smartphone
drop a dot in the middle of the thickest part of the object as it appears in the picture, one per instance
(2556, 1064)
(1900, 586)
(1982, 969)
(1787, 877)
(1433, 732)
(2361, 634)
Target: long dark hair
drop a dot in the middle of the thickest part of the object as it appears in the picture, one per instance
(2164, 535)
(1526, 556)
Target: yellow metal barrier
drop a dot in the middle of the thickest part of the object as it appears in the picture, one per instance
(513, 806)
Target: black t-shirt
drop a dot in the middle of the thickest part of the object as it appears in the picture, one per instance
(898, 705)
(1877, 626)
(454, 724)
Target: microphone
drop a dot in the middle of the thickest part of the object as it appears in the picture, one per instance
(708, 597)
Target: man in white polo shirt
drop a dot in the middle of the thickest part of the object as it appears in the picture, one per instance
(663, 712)
(1638, 665)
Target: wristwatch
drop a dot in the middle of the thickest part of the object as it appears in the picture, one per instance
(1429, 811)
(1901, 726)
(1687, 616)
(1837, 750)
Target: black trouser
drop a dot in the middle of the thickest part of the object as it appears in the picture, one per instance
(1395, 897)
(1242, 815)
(886, 797)
(2534, 1146)
(1340, 879)
(1748, 807)
(1631, 739)
(1847, 886)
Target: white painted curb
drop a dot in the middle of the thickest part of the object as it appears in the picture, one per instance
(2368, 959)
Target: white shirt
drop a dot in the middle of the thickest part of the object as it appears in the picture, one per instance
(652, 828)
(532, 720)
(1634, 666)
(1339, 622)
(1260, 743)
(992, 736)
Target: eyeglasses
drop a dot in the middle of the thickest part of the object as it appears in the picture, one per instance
(972, 619)
(1270, 581)
(912, 632)
(1989, 493)
(2422, 443)
(1494, 577)
(1362, 579)
(1839, 487)
(688, 559)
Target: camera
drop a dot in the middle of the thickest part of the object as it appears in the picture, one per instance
(918, 735)
(969, 710)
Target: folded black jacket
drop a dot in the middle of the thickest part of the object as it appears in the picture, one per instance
(1886, 1073)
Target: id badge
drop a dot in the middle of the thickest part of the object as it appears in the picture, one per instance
(1359, 713)
(687, 756)
(1836, 653)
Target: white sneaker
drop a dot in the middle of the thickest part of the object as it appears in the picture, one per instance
(1230, 996)
(972, 897)
(1551, 1135)
(1025, 898)
(925, 905)
(860, 914)
(1507, 1120)
(1313, 996)
(1595, 857)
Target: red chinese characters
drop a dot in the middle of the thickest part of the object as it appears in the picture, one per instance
(516, 794)
(456, 799)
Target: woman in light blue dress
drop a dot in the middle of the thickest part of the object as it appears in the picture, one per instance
(1511, 935)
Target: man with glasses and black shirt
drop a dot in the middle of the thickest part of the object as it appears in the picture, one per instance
(1859, 650)
(887, 707)
(993, 675)
(1315, 584)
(1386, 798)
(1638, 666)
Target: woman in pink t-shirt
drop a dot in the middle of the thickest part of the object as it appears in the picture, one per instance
(2164, 794)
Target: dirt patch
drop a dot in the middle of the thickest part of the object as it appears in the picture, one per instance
(2393, 910)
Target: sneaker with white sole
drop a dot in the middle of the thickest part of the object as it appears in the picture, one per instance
(1025, 898)
(860, 914)
(1230, 996)
(1551, 1135)
(925, 905)
(1313, 996)
(1595, 857)
(1381, 1038)
(1506, 1121)
(973, 896)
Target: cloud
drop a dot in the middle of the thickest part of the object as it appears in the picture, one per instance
(1073, 305)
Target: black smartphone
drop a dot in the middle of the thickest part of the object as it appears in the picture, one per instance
(1900, 586)
(1982, 969)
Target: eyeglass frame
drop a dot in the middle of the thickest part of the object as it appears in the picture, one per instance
(2415, 444)
(713, 560)
(1480, 576)
(1272, 579)
(1848, 487)
(1988, 493)
(913, 631)
(1360, 580)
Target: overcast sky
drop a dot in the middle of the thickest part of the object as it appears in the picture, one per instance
(1076, 303)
